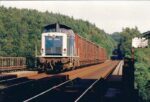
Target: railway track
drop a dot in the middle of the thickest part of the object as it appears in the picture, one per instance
(67, 91)
(85, 72)
(5, 77)
(28, 88)
(74, 81)
(75, 88)
(9, 80)
(12, 81)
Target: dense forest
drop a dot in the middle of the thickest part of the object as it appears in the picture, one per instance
(142, 59)
(20, 30)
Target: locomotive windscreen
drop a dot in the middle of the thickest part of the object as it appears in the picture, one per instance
(58, 39)
(53, 45)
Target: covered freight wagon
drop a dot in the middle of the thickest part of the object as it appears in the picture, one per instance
(89, 52)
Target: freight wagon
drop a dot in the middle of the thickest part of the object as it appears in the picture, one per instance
(63, 49)
(12, 63)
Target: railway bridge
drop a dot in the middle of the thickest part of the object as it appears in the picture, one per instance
(111, 81)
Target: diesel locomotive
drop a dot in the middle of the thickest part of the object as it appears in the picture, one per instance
(62, 49)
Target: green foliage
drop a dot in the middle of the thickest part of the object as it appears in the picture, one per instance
(127, 35)
(117, 37)
(142, 59)
(142, 77)
(20, 30)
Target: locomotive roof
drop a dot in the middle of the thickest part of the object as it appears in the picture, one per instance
(54, 26)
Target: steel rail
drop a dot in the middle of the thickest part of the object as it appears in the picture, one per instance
(16, 85)
(48, 90)
(90, 87)
(14, 81)
(8, 80)
(56, 86)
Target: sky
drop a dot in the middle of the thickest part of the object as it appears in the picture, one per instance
(111, 16)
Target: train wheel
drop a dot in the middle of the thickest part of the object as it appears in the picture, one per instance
(40, 68)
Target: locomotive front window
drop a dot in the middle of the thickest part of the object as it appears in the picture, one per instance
(53, 45)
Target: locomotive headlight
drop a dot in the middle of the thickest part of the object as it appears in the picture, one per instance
(65, 49)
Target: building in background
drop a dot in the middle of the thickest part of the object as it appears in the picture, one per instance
(138, 42)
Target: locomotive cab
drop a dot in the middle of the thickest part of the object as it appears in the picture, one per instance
(54, 44)
(57, 41)
(57, 45)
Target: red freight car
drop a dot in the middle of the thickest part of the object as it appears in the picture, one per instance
(61, 49)
(89, 52)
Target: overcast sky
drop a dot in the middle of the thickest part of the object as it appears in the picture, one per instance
(111, 16)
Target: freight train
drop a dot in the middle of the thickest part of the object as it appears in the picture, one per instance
(62, 49)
